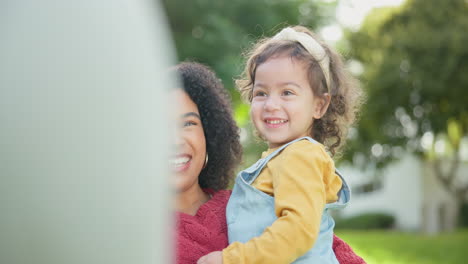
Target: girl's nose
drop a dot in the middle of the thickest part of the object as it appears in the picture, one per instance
(271, 103)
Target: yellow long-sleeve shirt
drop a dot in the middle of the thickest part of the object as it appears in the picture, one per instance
(302, 179)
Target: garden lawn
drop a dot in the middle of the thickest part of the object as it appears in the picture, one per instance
(388, 247)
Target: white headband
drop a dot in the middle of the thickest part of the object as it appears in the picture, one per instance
(311, 45)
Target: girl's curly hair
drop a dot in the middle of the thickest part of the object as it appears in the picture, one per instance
(346, 95)
(221, 132)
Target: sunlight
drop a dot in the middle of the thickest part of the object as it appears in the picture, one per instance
(351, 13)
(331, 33)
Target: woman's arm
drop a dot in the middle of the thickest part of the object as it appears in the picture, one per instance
(344, 253)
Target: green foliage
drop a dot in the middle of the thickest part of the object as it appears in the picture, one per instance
(218, 32)
(366, 221)
(415, 59)
(384, 247)
(241, 114)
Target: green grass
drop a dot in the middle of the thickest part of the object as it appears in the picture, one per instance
(387, 247)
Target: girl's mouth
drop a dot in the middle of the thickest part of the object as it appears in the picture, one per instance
(274, 122)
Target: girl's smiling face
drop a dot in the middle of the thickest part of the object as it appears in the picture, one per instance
(190, 144)
(283, 106)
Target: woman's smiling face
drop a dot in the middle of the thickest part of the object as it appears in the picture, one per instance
(190, 143)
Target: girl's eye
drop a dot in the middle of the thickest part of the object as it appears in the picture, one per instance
(287, 92)
(189, 123)
(259, 93)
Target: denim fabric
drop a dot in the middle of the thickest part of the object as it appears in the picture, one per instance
(250, 211)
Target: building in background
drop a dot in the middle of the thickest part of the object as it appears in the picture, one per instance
(410, 192)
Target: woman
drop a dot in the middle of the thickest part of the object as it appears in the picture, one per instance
(208, 151)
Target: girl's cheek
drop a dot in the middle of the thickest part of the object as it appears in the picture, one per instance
(254, 111)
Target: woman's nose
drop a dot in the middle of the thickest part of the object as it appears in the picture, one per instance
(178, 144)
(177, 134)
(178, 139)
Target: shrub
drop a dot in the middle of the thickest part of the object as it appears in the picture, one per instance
(366, 221)
(463, 217)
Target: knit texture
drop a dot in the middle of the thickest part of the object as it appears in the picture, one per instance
(204, 232)
(344, 253)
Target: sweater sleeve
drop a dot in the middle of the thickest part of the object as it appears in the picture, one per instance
(344, 253)
(298, 175)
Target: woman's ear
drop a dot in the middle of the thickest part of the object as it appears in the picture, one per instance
(321, 105)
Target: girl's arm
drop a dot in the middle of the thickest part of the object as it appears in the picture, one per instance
(343, 252)
(303, 175)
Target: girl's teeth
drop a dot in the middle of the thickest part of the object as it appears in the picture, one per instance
(276, 121)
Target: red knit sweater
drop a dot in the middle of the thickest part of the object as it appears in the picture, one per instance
(206, 231)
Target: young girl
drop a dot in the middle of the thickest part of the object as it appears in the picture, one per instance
(302, 102)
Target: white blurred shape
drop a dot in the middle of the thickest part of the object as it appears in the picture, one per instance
(331, 33)
(355, 67)
(351, 13)
(83, 139)
(377, 150)
(426, 140)
(439, 146)
(464, 149)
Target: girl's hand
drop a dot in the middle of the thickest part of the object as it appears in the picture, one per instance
(215, 257)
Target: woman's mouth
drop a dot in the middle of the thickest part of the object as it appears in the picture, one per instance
(181, 162)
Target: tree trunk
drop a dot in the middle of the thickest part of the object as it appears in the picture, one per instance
(458, 191)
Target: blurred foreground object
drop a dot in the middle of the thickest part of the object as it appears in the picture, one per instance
(83, 136)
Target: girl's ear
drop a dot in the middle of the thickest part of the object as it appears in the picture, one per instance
(321, 105)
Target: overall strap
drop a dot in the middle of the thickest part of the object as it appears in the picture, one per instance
(276, 152)
(344, 195)
(251, 173)
(256, 168)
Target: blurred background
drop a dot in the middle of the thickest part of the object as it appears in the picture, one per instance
(407, 158)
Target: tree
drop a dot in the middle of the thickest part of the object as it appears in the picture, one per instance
(218, 32)
(415, 62)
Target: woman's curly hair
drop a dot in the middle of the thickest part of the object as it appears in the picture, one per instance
(346, 95)
(221, 132)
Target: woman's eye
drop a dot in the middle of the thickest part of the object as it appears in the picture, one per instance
(189, 123)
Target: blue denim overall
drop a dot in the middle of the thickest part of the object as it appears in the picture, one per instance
(250, 211)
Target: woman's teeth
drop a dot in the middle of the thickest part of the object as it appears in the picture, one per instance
(180, 161)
